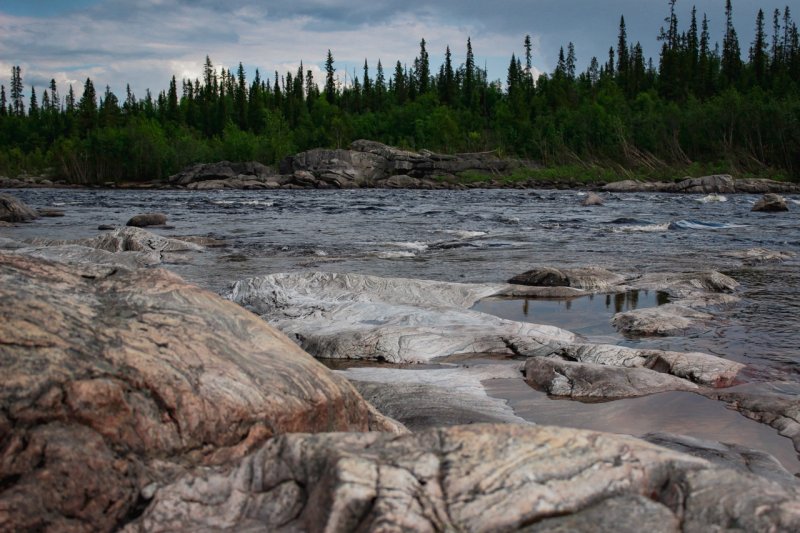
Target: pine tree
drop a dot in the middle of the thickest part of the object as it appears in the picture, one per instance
(17, 104)
(623, 60)
(758, 51)
(561, 66)
(422, 69)
(33, 107)
(3, 103)
(447, 81)
(55, 99)
(366, 85)
(70, 103)
(240, 98)
(330, 81)
(87, 108)
(469, 76)
(400, 84)
(731, 53)
(173, 113)
(571, 60)
(380, 86)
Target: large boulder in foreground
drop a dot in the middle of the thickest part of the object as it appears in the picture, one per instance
(13, 210)
(470, 478)
(114, 380)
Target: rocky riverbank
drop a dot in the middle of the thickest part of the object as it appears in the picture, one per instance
(369, 164)
(133, 400)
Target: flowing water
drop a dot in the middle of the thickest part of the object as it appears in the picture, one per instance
(483, 236)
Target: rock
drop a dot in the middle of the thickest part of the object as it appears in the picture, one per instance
(469, 478)
(114, 379)
(400, 182)
(592, 199)
(733, 456)
(697, 367)
(662, 321)
(771, 203)
(13, 210)
(221, 172)
(632, 186)
(775, 404)
(147, 219)
(106, 227)
(435, 397)
(757, 256)
(48, 212)
(589, 278)
(761, 186)
(587, 381)
(351, 316)
(721, 183)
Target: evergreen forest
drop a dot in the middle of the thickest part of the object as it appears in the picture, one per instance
(706, 104)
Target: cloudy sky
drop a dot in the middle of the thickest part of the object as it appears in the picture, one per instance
(145, 42)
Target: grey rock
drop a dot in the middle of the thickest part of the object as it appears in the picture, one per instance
(220, 172)
(771, 203)
(14, 210)
(757, 256)
(468, 478)
(48, 212)
(592, 199)
(588, 381)
(588, 278)
(662, 321)
(721, 183)
(733, 456)
(147, 219)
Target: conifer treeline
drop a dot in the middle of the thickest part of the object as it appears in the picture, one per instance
(702, 103)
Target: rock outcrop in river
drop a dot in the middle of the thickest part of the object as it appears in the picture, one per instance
(115, 380)
(13, 210)
(350, 316)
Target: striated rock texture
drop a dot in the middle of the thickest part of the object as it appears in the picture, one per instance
(13, 210)
(771, 203)
(113, 380)
(127, 247)
(352, 316)
(470, 478)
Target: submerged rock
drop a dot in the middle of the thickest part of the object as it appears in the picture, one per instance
(115, 379)
(771, 203)
(148, 219)
(757, 256)
(14, 210)
(470, 478)
(662, 321)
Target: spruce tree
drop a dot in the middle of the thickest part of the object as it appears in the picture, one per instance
(758, 51)
(469, 76)
(330, 81)
(731, 53)
(55, 99)
(623, 59)
(87, 108)
(3, 103)
(17, 104)
(571, 60)
(422, 69)
(33, 107)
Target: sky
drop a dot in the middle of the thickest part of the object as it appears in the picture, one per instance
(145, 42)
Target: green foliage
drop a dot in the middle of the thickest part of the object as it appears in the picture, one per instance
(697, 111)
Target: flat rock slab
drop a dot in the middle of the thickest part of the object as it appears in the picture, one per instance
(114, 379)
(436, 397)
(352, 316)
(587, 381)
(470, 478)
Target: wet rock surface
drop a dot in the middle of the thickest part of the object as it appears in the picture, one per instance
(115, 379)
(715, 184)
(589, 381)
(13, 210)
(471, 478)
(771, 203)
(147, 219)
